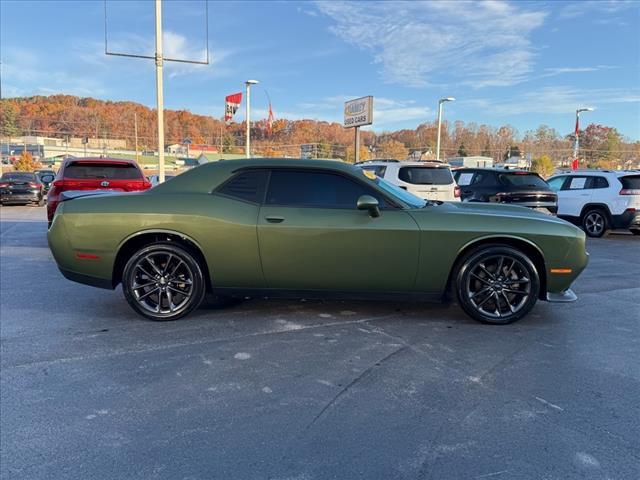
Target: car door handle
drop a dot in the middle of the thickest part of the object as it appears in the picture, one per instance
(274, 219)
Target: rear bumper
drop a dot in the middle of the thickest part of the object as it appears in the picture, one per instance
(628, 219)
(20, 197)
(86, 279)
(566, 296)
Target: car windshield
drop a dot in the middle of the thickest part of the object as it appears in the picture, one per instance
(523, 179)
(402, 195)
(28, 177)
(426, 175)
(115, 171)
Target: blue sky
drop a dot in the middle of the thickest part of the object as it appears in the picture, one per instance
(519, 63)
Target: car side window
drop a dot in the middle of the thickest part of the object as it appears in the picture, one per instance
(575, 183)
(483, 179)
(555, 184)
(248, 186)
(296, 188)
(599, 182)
(464, 178)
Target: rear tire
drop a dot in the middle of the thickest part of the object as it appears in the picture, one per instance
(163, 281)
(496, 284)
(595, 223)
(635, 232)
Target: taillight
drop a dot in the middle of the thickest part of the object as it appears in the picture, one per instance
(630, 191)
(58, 183)
(35, 185)
(456, 192)
(4, 185)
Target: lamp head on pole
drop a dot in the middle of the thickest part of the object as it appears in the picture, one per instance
(447, 99)
(251, 82)
(588, 109)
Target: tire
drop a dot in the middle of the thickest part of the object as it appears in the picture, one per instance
(496, 299)
(635, 232)
(595, 222)
(151, 286)
(41, 202)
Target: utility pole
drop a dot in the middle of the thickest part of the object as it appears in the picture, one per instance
(159, 91)
(247, 147)
(440, 102)
(576, 144)
(159, 60)
(135, 129)
(356, 145)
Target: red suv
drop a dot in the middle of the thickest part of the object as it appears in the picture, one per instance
(95, 174)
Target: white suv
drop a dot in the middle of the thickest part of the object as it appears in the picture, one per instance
(599, 199)
(428, 180)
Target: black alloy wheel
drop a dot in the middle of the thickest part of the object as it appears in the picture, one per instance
(163, 281)
(595, 223)
(497, 284)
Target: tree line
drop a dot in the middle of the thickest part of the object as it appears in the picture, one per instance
(67, 115)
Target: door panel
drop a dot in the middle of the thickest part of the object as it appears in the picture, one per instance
(338, 249)
(574, 195)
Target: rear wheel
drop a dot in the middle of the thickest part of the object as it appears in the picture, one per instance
(595, 223)
(163, 282)
(497, 284)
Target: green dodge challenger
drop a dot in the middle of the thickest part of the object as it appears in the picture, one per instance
(311, 228)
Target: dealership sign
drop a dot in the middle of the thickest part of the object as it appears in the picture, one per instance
(358, 112)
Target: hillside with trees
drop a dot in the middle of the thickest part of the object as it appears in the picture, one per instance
(67, 115)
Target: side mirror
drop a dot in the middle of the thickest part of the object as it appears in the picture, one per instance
(47, 178)
(369, 203)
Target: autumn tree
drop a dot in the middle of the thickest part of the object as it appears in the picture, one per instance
(26, 163)
(393, 149)
(543, 166)
(350, 157)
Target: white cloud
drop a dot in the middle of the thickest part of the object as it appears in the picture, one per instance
(552, 72)
(480, 43)
(556, 100)
(602, 7)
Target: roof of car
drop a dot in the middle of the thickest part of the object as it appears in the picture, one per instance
(206, 176)
(425, 163)
(497, 169)
(593, 171)
(100, 159)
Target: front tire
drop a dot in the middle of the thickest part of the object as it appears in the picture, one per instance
(496, 284)
(163, 281)
(595, 223)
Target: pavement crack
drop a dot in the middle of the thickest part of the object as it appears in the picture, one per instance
(353, 382)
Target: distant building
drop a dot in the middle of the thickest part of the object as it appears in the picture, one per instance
(476, 161)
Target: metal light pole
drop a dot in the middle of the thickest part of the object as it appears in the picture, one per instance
(440, 102)
(159, 91)
(248, 84)
(576, 144)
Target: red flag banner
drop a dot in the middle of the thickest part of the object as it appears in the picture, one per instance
(231, 104)
(270, 120)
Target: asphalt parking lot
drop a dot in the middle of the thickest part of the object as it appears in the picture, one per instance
(314, 390)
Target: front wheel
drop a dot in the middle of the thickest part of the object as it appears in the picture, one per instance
(163, 282)
(497, 284)
(595, 223)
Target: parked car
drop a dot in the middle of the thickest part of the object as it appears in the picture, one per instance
(428, 180)
(46, 177)
(516, 187)
(155, 179)
(599, 200)
(113, 174)
(291, 227)
(21, 188)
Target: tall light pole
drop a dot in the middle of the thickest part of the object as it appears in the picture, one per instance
(159, 91)
(576, 144)
(248, 84)
(440, 103)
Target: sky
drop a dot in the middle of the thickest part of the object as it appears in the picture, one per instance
(522, 63)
